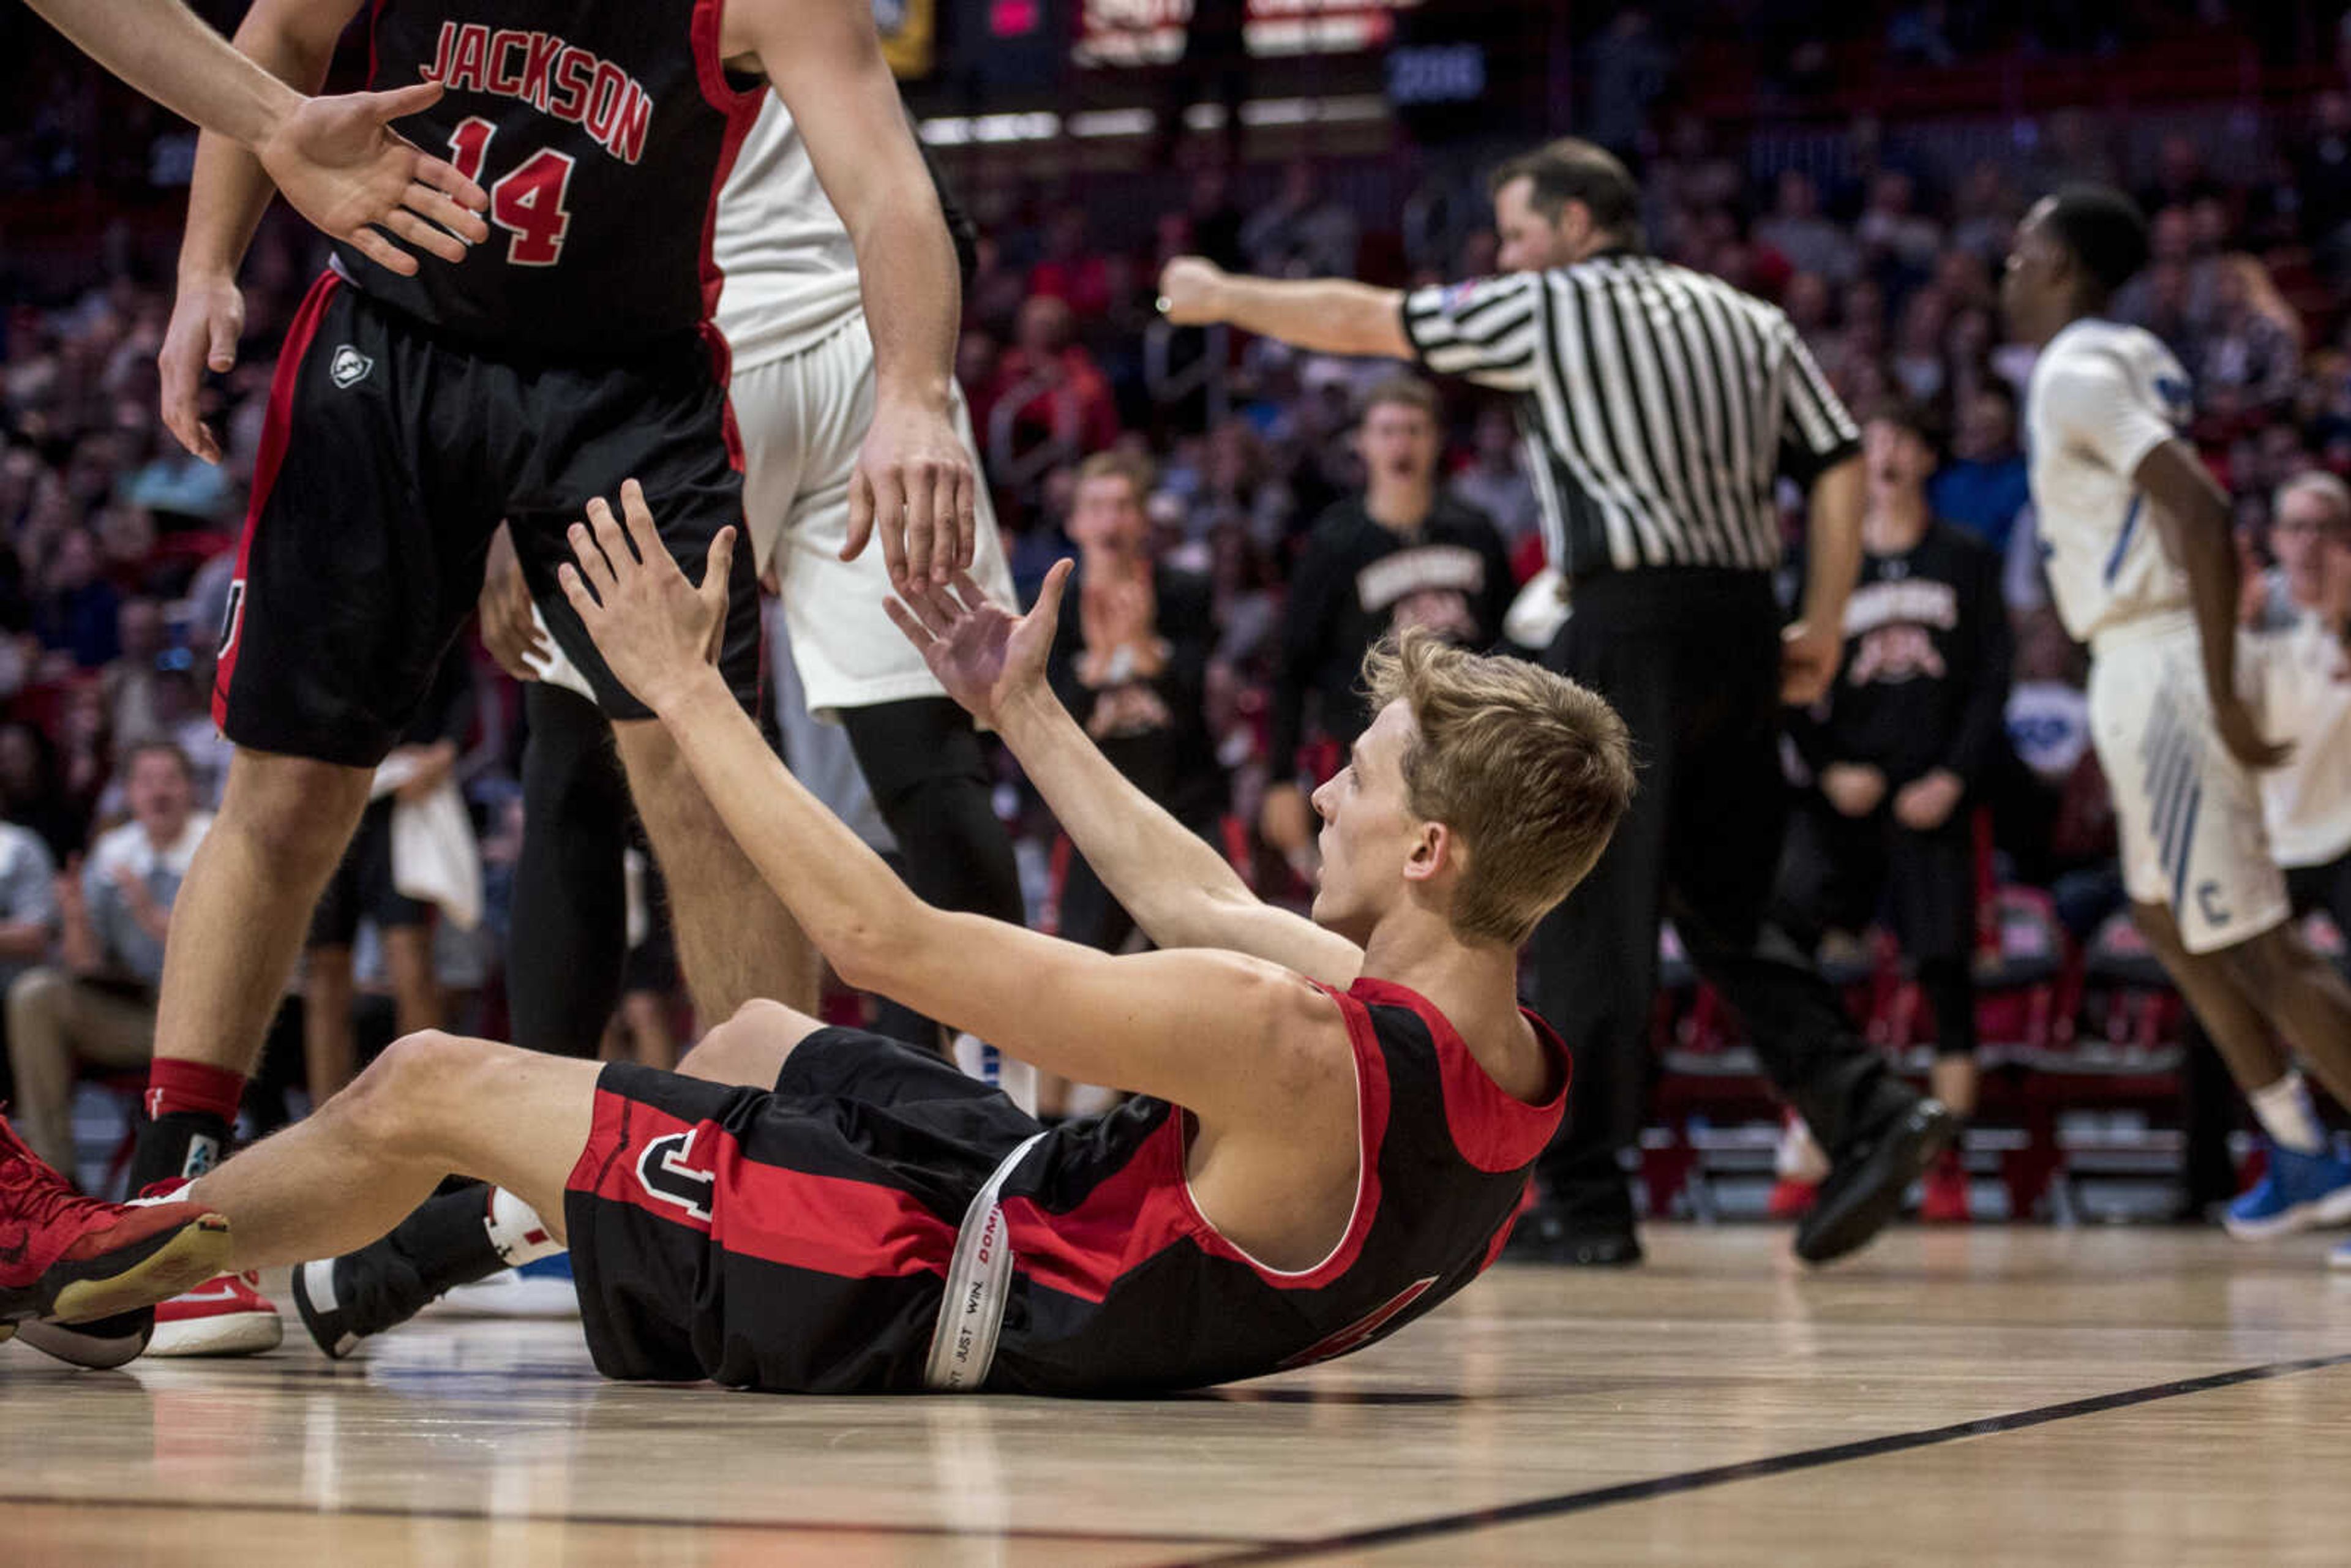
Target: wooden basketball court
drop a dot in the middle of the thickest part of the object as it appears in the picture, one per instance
(2017, 1394)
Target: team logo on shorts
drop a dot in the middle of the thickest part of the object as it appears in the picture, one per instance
(667, 1171)
(348, 367)
(231, 618)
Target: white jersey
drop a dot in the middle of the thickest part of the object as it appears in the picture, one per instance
(787, 270)
(2103, 397)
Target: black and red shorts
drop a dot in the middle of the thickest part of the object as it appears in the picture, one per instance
(390, 455)
(794, 1240)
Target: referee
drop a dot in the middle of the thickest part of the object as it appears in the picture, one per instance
(1659, 408)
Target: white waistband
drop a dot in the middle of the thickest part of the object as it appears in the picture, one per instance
(979, 1278)
(2178, 622)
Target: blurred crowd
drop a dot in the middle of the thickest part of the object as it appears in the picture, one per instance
(117, 549)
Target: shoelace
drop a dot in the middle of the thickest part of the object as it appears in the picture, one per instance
(32, 1195)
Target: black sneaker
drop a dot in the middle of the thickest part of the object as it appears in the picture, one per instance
(1549, 1234)
(1862, 1192)
(345, 1300)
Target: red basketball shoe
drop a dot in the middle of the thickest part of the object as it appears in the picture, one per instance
(71, 1257)
(228, 1316)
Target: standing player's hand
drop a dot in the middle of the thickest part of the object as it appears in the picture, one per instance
(2243, 737)
(1809, 656)
(914, 482)
(509, 631)
(656, 630)
(1188, 286)
(337, 161)
(207, 318)
(984, 655)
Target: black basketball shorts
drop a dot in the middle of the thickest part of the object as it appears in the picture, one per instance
(795, 1240)
(390, 455)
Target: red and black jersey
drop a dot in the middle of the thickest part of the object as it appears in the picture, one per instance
(1124, 1286)
(601, 130)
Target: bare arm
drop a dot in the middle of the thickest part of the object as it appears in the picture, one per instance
(167, 52)
(826, 63)
(293, 42)
(1832, 562)
(1326, 315)
(1178, 888)
(2190, 513)
(1230, 1037)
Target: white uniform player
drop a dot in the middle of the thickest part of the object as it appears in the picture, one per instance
(2189, 814)
(791, 309)
(803, 388)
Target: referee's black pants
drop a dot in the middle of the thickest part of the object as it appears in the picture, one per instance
(1691, 660)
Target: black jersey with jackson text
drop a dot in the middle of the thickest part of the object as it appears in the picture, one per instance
(602, 131)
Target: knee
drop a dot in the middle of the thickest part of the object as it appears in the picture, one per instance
(292, 811)
(36, 992)
(386, 1105)
(749, 1047)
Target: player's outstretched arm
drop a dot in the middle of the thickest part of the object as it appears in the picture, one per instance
(336, 159)
(913, 480)
(1180, 891)
(1224, 1034)
(1326, 315)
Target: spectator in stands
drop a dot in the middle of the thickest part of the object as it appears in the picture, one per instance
(1982, 488)
(1809, 242)
(98, 1006)
(28, 918)
(1898, 243)
(1400, 554)
(1130, 660)
(1048, 391)
(130, 680)
(2250, 356)
(1302, 232)
(1071, 270)
(1902, 750)
(2322, 181)
(1494, 483)
(2297, 661)
(75, 612)
(30, 794)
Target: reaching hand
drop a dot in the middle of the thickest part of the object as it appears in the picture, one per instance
(207, 318)
(1188, 291)
(509, 631)
(337, 161)
(914, 479)
(656, 630)
(984, 655)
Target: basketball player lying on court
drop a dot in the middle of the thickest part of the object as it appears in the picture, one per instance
(1335, 1121)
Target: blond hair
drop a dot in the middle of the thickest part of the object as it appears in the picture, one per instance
(1127, 465)
(1529, 770)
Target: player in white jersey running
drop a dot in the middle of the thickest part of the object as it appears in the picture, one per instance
(803, 390)
(2142, 566)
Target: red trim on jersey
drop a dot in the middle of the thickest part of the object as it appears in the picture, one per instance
(265, 464)
(741, 109)
(375, 14)
(1494, 1129)
(828, 1225)
(1147, 1207)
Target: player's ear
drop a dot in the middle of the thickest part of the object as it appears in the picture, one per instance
(1435, 850)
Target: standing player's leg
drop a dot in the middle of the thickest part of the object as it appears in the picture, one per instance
(565, 960)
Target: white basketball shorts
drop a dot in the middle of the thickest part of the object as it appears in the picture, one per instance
(2187, 813)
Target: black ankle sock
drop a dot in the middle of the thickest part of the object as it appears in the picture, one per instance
(169, 1145)
(448, 1240)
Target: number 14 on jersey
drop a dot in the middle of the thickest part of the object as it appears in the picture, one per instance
(527, 201)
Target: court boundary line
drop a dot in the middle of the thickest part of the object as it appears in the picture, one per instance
(628, 1522)
(1583, 1502)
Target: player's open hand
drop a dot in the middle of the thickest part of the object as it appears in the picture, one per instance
(340, 164)
(657, 631)
(913, 480)
(984, 655)
(1188, 286)
(509, 631)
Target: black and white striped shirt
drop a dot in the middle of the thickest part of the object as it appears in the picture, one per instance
(1658, 406)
